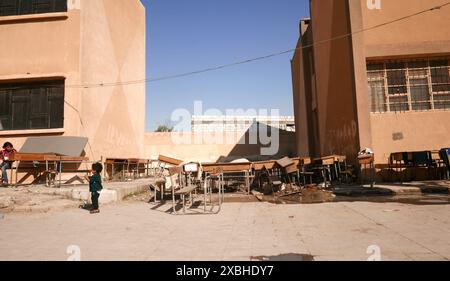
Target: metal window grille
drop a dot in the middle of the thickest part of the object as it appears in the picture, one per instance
(413, 85)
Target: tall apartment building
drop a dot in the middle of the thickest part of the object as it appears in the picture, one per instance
(61, 67)
(372, 74)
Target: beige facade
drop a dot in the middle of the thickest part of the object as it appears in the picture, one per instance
(94, 42)
(384, 87)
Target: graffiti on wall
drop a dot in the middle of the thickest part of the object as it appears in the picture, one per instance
(342, 140)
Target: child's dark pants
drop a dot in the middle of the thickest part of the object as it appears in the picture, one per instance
(94, 199)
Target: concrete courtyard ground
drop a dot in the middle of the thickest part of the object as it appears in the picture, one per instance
(135, 230)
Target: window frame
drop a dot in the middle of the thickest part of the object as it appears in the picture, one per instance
(18, 8)
(51, 93)
(409, 78)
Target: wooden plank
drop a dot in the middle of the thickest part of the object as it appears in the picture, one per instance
(292, 169)
(366, 159)
(169, 160)
(269, 165)
(285, 162)
(30, 157)
(75, 159)
(237, 168)
(304, 160)
(328, 160)
(227, 167)
(52, 158)
(116, 160)
(141, 161)
(186, 190)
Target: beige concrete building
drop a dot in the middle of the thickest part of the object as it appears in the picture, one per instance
(53, 56)
(383, 82)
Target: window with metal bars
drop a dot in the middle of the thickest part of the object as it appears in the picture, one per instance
(409, 85)
(35, 105)
(27, 7)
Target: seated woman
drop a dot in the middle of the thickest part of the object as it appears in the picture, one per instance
(6, 154)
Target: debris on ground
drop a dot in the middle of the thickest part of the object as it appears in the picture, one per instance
(5, 202)
(141, 197)
(314, 194)
(291, 193)
(33, 200)
(258, 195)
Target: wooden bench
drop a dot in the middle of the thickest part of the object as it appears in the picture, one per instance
(186, 190)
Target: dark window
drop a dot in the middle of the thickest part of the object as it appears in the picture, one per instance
(440, 75)
(26, 7)
(442, 101)
(398, 103)
(38, 105)
(396, 78)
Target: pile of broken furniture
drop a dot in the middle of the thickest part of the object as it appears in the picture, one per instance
(186, 182)
(282, 177)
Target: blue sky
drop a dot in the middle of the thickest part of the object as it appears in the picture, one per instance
(188, 35)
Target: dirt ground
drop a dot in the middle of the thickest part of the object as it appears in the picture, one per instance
(39, 199)
(134, 230)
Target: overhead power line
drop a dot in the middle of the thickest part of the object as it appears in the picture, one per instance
(219, 67)
(242, 62)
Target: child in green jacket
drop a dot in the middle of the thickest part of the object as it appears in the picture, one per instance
(95, 186)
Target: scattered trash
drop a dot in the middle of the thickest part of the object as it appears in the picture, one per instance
(366, 151)
(313, 194)
(290, 194)
(258, 195)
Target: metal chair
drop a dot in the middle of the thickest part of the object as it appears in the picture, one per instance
(444, 153)
(214, 178)
(178, 188)
(366, 162)
(305, 172)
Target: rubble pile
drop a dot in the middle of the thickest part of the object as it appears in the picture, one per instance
(291, 193)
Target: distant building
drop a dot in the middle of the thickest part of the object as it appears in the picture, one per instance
(385, 88)
(51, 49)
(240, 123)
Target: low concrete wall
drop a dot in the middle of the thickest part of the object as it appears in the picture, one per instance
(112, 192)
(210, 147)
